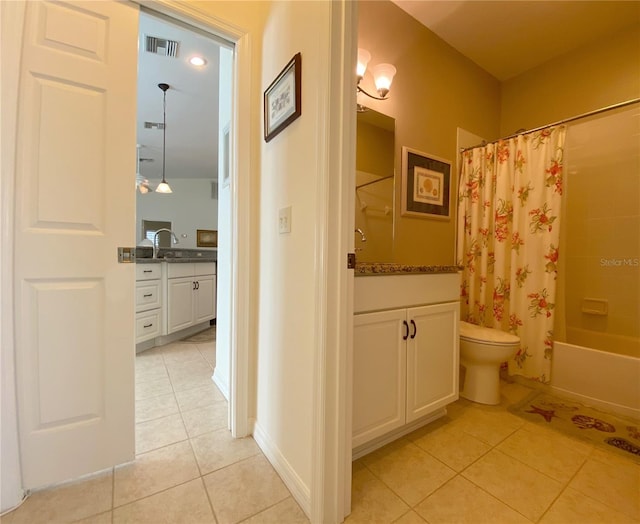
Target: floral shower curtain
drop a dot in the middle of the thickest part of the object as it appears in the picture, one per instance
(508, 235)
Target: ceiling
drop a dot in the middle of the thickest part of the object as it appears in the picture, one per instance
(192, 104)
(507, 38)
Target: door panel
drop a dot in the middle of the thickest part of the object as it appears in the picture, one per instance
(75, 203)
(205, 298)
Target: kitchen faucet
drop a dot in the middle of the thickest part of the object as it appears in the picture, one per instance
(155, 240)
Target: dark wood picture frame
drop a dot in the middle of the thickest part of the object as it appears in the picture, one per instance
(207, 238)
(283, 99)
(420, 170)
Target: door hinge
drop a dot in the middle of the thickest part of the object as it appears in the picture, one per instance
(351, 260)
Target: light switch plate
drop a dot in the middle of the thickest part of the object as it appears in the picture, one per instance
(284, 220)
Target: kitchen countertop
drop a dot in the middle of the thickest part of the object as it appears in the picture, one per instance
(385, 268)
(174, 260)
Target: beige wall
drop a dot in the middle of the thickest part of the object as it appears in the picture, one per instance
(594, 76)
(435, 90)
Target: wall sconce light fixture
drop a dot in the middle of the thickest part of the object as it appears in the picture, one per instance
(382, 75)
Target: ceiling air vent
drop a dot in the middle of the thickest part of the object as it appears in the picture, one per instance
(161, 46)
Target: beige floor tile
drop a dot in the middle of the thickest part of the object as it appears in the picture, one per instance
(187, 503)
(491, 425)
(186, 382)
(156, 407)
(153, 388)
(189, 368)
(102, 518)
(408, 470)
(460, 501)
(285, 512)
(178, 352)
(574, 507)
(154, 472)
(372, 501)
(514, 483)
(150, 373)
(547, 452)
(452, 446)
(613, 456)
(208, 351)
(512, 393)
(199, 397)
(159, 432)
(411, 517)
(244, 489)
(67, 502)
(615, 485)
(207, 419)
(218, 449)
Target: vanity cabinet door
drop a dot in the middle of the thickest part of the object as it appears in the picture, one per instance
(432, 358)
(379, 378)
(180, 303)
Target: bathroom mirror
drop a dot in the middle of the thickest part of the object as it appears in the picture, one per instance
(375, 186)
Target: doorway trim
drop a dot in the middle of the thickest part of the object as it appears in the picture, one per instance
(240, 336)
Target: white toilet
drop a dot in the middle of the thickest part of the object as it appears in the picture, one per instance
(482, 350)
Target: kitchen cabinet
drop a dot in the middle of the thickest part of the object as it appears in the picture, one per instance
(191, 294)
(148, 302)
(405, 359)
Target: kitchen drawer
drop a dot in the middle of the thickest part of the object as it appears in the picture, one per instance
(205, 268)
(179, 269)
(148, 325)
(148, 295)
(148, 271)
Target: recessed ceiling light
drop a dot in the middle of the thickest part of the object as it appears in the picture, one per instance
(197, 61)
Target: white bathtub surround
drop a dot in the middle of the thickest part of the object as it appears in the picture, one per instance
(597, 378)
(508, 235)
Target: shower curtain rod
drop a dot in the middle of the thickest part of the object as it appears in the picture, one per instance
(559, 122)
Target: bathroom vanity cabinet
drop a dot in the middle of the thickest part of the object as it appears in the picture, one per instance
(405, 354)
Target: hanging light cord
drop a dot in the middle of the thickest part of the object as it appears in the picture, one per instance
(164, 132)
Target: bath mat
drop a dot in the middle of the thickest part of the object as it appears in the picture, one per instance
(572, 418)
(208, 335)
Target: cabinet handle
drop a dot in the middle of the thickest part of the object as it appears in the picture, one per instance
(406, 334)
(197, 285)
(147, 270)
(415, 329)
(147, 295)
(148, 325)
(194, 285)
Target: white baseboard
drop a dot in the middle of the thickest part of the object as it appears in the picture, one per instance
(220, 382)
(300, 491)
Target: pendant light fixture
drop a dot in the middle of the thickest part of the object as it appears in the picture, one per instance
(163, 187)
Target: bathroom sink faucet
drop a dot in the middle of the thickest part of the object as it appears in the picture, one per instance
(155, 240)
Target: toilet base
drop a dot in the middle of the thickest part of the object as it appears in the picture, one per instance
(482, 383)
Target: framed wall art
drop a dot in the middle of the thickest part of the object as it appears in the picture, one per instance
(426, 185)
(207, 238)
(282, 99)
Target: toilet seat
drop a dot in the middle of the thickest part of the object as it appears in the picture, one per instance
(485, 335)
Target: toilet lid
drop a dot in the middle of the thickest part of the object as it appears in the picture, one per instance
(486, 335)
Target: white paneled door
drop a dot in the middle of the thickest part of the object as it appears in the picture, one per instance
(75, 204)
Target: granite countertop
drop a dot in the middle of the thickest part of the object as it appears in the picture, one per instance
(385, 268)
(144, 255)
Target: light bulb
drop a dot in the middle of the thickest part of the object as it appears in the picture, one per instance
(383, 76)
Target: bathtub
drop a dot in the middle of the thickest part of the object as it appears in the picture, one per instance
(597, 378)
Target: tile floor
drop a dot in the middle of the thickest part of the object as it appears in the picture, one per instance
(479, 464)
(187, 467)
